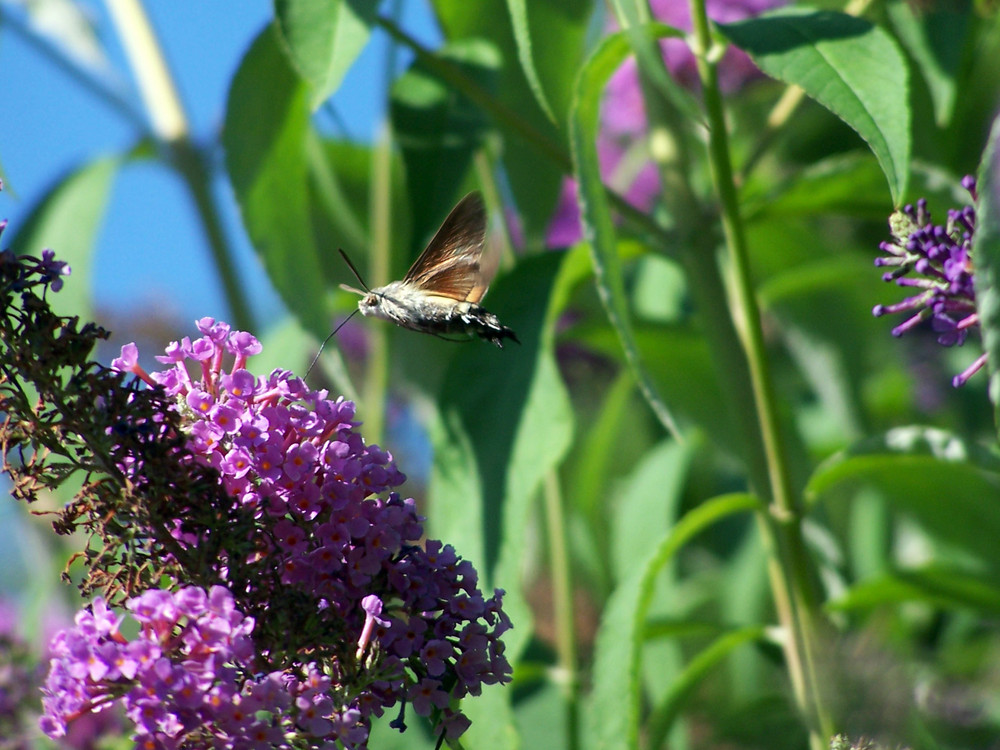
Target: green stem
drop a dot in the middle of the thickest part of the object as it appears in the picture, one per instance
(169, 125)
(780, 523)
(562, 595)
(696, 248)
(377, 372)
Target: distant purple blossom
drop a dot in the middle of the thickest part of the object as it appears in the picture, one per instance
(379, 619)
(623, 115)
(935, 261)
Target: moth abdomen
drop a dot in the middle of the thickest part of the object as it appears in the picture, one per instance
(487, 326)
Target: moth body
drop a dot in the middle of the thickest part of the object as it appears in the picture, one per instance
(408, 306)
(440, 293)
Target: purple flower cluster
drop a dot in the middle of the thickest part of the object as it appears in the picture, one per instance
(935, 260)
(49, 270)
(179, 680)
(352, 616)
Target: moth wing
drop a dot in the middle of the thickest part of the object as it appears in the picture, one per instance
(452, 264)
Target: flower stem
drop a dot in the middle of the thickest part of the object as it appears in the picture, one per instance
(562, 595)
(380, 201)
(170, 126)
(789, 567)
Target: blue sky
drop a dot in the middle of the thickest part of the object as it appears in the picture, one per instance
(150, 251)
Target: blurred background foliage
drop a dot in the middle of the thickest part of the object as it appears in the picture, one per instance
(601, 471)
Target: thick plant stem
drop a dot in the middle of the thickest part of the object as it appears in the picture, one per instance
(169, 125)
(562, 596)
(789, 567)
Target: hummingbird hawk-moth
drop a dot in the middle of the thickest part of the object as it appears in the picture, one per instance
(440, 293)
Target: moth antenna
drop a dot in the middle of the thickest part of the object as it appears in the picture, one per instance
(354, 271)
(327, 339)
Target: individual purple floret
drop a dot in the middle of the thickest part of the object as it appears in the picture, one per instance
(936, 262)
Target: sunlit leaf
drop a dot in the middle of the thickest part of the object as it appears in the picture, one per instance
(949, 485)
(504, 423)
(525, 54)
(845, 63)
(67, 221)
(323, 38)
(612, 716)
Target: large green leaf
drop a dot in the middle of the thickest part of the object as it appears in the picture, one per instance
(265, 135)
(323, 38)
(559, 29)
(504, 422)
(613, 707)
(678, 363)
(67, 221)
(647, 505)
(986, 251)
(595, 212)
(935, 36)
(848, 65)
(525, 54)
(438, 129)
(950, 486)
(300, 198)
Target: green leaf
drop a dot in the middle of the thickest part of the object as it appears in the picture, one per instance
(535, 173)
(341, 187)
(612, 710)
(595, 213)
(986, 251)
(848, 65)
(935, 36)
(267, 135)
(849, 184)
(942, 586)
(504, 422)
(518, 10)
(67, 221)
(679, 365)
(946, 484)
(666, 712)
(438, 129)
(647, 505)
(323, 38)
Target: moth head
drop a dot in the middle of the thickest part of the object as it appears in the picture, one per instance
(369, 303)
